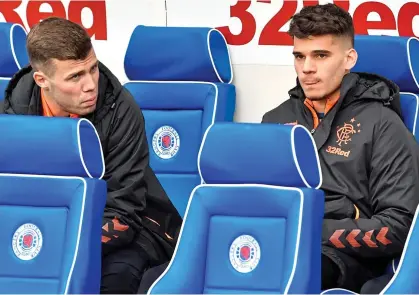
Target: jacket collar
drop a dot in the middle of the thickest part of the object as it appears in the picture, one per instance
(23, 94)
(354, 87)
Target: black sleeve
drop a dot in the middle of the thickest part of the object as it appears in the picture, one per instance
(274, 116)
(126, 162)
(394, 195)
(288, 112)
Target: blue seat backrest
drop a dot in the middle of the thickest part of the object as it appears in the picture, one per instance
(52, 200)
(181, 79)
(13, 54)
(398, 60)
(405, 278)
(254, 226)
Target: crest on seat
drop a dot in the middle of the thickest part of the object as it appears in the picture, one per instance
(166, 142)
(244, 253)
(27, 241)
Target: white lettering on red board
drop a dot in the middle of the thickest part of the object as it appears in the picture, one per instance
(271, 34)
(33, 15)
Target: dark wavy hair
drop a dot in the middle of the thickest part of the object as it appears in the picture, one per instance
(56, 38)
(319, 20)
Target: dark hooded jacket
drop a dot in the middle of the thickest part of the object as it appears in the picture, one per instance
(370, 168)
(134, 194)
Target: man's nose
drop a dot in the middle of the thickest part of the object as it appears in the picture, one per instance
(309, 66)
(89, 84)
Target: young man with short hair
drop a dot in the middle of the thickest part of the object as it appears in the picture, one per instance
(369, 159)
(65, 79)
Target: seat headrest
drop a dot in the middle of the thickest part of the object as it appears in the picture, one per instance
(13, 55)
(270, 154)
(178, 54)
(50, 146)
(395, 58)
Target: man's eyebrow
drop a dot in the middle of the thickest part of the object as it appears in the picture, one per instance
(321, 51)
(82, 71)
(75, 73)
(318, 51)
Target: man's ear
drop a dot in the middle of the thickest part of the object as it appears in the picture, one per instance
(41, 79)
(351, 58)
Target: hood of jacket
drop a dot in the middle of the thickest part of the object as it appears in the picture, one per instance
(22, 95)
(362, 86)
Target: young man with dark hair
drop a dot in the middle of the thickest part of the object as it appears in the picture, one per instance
(369, 159)
(65, 79)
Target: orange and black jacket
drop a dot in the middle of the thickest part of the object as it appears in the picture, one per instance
(370, 165)
(137, 207)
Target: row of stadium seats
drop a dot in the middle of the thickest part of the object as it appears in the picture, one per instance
(244, 230)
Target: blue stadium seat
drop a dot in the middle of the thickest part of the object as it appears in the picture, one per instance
(405, 279)
(397, 60)
(13, 54)
(255, 224)
(52, 200)
(181, 78)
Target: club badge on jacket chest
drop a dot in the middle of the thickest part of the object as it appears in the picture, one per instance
(343, 138)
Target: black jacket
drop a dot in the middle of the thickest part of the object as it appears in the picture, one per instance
(370, 166)
(134, 193)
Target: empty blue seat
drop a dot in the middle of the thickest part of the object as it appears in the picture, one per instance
(397, 60)
(52, 201)
(181, 79)
(255, 224)
(13, 55)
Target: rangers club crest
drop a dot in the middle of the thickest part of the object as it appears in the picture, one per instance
(244, 254)
(27, 241)
(166, 142)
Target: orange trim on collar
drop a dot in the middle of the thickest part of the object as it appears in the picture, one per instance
(330, 103)
(309, 105)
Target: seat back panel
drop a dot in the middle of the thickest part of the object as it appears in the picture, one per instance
(175, 138)
(22, 245)
(220, 273)
(217, 216)
(39, 240)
